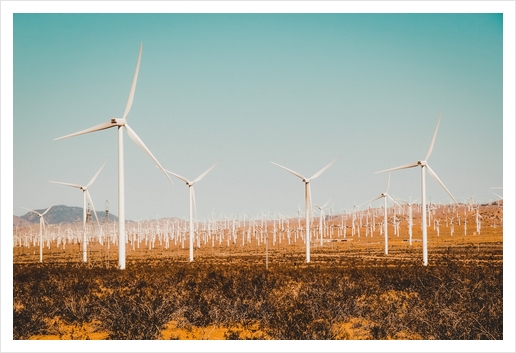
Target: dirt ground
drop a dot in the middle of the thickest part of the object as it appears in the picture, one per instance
(335, 249)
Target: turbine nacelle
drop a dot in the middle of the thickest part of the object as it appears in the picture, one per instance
(421, 163)
(118, 122)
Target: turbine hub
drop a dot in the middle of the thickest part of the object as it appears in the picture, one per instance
(119, 122)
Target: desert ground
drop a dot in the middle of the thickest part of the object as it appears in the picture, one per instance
(250, 280)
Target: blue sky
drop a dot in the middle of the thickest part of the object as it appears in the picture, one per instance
(296, 89)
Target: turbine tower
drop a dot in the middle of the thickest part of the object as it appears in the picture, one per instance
(321, 216)
(85, 196)
(41, 226)
(410, 223)
(106, 211)
(308, 200)
(192, 200)
(424, 166)
(385, 195)
(119, 124)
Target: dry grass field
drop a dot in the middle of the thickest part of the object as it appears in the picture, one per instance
(349, 290)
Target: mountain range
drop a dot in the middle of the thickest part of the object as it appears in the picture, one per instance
(59, 214)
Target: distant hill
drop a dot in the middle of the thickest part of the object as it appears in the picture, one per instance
(18, 221)
(60, 214)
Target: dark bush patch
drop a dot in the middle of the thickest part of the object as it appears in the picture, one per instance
(451, 300)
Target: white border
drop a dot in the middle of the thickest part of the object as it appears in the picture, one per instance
(7, 10)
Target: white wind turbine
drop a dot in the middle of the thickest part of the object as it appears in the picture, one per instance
(385, 195)
(410, 223)
(321, 210)
(85, 195)
(424, 165)
(192, 200)
(119, 123)
(308, 200)
(41, 226)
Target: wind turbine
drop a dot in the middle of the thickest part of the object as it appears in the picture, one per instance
(192, 200)
(384, 195)
(41, 226)
(308, 200)
(410, 224)
(424, 166)
(120, 123)
(321, 210)
(85, 195)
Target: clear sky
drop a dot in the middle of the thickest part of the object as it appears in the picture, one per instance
(296, 89)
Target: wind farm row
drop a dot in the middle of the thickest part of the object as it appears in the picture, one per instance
(263, 232)
(235, 230)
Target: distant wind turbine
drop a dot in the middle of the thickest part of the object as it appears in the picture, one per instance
(119, 123)
(321, 210)
(85, 195)
(192, 200)
(424, 165)
(308, 200)
(41, 226)
(410, 223)
(385, 195)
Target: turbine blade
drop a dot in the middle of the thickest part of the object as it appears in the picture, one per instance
(95, 176)
(388, 182)
(432, 173)
(98, 127)
(327, 202)
(92, 206)
(400, 199)
(204, 174)
(67, 184)
(433, 139)
(322, 170)
(309, 201)
(194, 205)
(291, 171)
(48, 209)
(501, 197)
(376, 198)
(177, 176)
(140, 143)
(389, 196)
(28, 209)
(405, 166)
(310, 195)
(133, 86)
